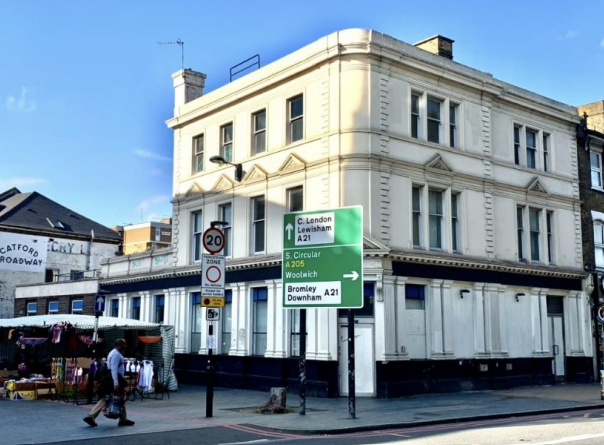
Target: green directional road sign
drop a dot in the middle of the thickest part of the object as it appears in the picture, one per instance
(323, 258)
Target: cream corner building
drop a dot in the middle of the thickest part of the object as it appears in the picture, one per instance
(473, 257)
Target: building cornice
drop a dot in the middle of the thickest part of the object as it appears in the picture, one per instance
(437, 259)
(355, 42)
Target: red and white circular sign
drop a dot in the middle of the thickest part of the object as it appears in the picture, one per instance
(213, 274)
(213, 240)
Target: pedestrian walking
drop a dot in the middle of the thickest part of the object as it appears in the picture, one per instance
(112, 382)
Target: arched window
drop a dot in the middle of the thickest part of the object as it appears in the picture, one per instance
(599, 243)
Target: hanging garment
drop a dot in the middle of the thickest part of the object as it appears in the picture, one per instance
(73, 339)
(146, 375)
(31, 341)
(56, 333)
(87, 340)
(149, 339)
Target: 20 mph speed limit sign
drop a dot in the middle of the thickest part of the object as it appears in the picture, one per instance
(213, 240)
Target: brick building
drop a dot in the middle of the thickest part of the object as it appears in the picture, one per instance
(591, 184)
(45, 243)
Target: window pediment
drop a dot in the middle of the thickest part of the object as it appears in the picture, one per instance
(438, 163)
(292, 163)
(256, 173)
(195, 191)
(223, 183)
(536, 186)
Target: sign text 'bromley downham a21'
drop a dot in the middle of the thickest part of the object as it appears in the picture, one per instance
(323, 258)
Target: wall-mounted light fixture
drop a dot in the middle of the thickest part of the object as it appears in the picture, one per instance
(221, 161)
(463, 291)
(519, 295)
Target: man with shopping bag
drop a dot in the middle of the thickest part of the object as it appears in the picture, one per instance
(112, 382)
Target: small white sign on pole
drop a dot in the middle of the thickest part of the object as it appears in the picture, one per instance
(212, 275)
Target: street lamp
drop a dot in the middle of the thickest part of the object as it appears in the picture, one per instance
(221, 161)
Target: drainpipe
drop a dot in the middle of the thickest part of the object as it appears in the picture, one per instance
(89, 249)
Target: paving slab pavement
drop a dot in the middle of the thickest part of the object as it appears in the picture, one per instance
(40, 422)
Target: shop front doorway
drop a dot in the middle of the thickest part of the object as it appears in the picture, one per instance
(555, 316)
(364, 359)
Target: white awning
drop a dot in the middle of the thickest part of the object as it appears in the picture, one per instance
(79, 321)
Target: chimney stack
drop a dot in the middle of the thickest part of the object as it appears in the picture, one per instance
(188, 86)
(439, 45)
(595, 115)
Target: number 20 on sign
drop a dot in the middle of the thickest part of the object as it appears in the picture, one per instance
(213, 240)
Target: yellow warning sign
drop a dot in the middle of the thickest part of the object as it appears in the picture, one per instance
(212, 302)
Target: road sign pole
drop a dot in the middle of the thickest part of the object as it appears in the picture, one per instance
(352, 409)
(95, 336)
(210, 383)
(302, 362)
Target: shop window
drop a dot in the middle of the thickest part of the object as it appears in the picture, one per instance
(260, 323)
(196, 325)
(227, 321)
(415, 298)
(159, 308)
(115, 307)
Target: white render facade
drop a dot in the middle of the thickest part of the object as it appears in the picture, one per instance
(469, 187)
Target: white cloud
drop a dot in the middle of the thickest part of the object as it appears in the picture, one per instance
(20, 181)
(141, 153)
(149, 209)
(20, 104)
(570, 34)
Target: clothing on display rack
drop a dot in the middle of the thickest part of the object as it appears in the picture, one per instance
(145, 379)
(56, 333)
(132, 365)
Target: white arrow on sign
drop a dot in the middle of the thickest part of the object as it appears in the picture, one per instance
(99, 301)
(354, 275)
(289, 229)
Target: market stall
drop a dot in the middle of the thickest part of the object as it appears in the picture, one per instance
(54, 355)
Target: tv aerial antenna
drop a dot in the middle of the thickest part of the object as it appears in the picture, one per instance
(182, 50)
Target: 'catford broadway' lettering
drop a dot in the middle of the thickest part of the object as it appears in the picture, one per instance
(18, 248)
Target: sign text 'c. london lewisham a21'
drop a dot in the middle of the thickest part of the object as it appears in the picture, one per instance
(323, 258)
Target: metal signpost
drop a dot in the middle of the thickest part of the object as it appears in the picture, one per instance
(212, 296)
(323, 267)
(99, 308)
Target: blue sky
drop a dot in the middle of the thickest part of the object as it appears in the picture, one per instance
(85, 88)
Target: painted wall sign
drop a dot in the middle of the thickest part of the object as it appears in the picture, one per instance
(23, 253)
